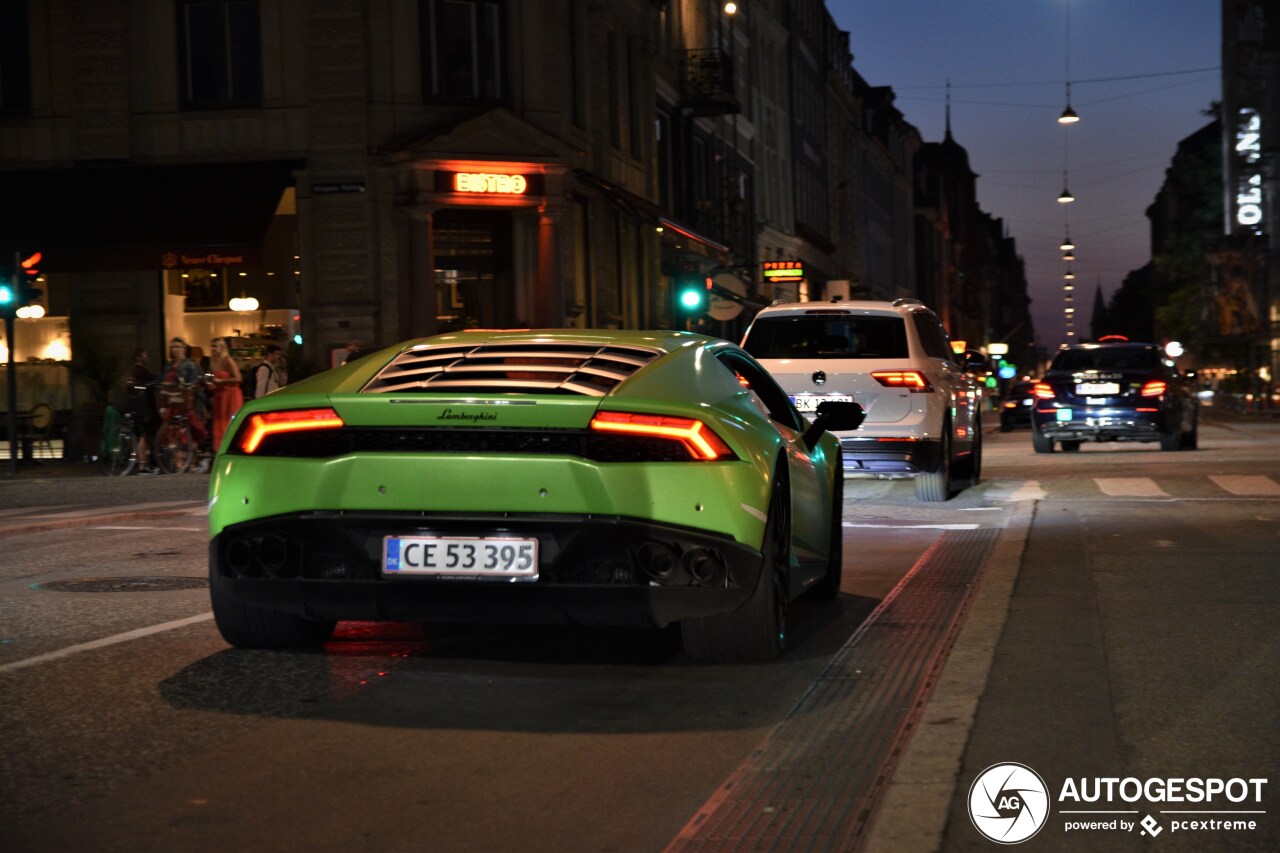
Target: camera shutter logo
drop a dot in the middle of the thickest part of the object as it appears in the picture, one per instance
(1008, 803)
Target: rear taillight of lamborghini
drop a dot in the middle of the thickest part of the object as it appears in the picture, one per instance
(699, 440)
(261, 425)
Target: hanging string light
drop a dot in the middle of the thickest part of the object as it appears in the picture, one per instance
(1068, 115)
(1065, 197)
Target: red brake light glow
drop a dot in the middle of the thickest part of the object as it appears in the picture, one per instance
(1154, 388)
(263, 424)
(699, 439)
(1044, 391)
(912, 380)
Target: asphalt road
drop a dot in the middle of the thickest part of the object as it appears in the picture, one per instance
(1121, 620)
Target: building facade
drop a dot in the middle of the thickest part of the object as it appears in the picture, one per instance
(346, 173)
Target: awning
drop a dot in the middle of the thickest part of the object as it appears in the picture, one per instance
(641, 207)
(130, 217)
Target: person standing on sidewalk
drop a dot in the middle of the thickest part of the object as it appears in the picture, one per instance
(227, 397)
(141, 403)
(271, 374)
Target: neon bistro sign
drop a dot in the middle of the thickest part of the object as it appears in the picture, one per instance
(1249, 183)
(486, 182)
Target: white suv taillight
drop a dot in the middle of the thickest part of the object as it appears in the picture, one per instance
(913, 380)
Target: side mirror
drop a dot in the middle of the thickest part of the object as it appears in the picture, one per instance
(973, 360)
(834, 416)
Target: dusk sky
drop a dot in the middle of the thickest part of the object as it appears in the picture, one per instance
(1008, 62)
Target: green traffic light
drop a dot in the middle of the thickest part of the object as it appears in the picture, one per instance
(691, 298)
(6, 294)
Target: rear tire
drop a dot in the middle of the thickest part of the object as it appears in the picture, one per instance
(1040, 442)
(1171, 440)
(247, 626)
(175, 448)
(756, 631)
(829, 587)
(934, 486)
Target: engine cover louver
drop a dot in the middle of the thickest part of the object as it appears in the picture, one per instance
(514, 368)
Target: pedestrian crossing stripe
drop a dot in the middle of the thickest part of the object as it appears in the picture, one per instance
(1247, 484)
(1130, 487)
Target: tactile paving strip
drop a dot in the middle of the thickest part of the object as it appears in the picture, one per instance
(814, 782)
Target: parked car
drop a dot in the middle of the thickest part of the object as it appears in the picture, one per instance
(577, 477)
(923, 410)
(1015, 406)
(1113, 390)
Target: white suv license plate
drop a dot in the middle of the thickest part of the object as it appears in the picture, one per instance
(809, 402)
(502, 557)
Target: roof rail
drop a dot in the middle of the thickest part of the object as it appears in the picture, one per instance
(906, 300)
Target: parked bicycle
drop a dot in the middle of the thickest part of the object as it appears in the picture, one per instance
(182, 431)
(119, 456)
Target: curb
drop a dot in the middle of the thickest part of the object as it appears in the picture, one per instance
(913, 812)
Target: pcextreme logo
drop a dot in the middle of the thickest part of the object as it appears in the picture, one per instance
(1008, 803)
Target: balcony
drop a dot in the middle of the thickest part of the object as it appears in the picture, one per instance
(708, 83)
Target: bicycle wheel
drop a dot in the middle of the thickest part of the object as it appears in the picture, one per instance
(119, 451)
(174, 446)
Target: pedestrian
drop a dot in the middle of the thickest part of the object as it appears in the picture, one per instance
(355, 349)
(272, 374)
(141, 404)
(227, 398)
(180, 369)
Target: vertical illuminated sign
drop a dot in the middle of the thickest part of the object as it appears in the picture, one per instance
(1249, 180)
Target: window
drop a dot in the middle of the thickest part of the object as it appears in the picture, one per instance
(221, 53)
(828, 336)
(15, 61)
(932, 337)
(756, 380)
(462, 58)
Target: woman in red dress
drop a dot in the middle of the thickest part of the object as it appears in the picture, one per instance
(227, 398)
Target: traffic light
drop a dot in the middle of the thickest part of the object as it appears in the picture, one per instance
(692, 291)
(18, 288)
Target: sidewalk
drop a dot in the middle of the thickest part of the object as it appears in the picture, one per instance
(52, 493)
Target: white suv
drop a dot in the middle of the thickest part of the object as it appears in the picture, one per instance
(895, 360)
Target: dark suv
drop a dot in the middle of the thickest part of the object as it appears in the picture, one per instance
(1113, 390)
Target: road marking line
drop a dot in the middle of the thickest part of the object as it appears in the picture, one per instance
(106, 641)
(914, 526)
(1130, 487)
(143, 527)
(1246, 484)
